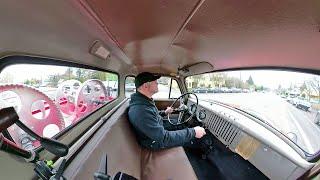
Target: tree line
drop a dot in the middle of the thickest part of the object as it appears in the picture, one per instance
(73, 73)
(223, 80)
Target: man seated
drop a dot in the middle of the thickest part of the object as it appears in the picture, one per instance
(148, 122)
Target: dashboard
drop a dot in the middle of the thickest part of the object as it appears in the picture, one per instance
(273, 155)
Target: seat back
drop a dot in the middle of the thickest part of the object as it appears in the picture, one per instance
(116, 139)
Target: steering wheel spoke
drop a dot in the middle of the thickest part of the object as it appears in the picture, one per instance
(181, 113)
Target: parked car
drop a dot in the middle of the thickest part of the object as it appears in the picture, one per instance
(200, 90)
(245, 90)
(130, 87)
(294, 101)
(302, 104)
(210, 90)
(226, 90)
(283, 96)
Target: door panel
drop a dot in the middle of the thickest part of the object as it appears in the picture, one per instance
(164, 103)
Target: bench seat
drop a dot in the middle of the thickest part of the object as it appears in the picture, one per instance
(166, 164)
(117, 140)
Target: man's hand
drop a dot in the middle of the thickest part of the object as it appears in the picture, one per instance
(168, 110)
(199, 131)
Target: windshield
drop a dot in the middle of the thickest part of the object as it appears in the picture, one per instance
(287, 101)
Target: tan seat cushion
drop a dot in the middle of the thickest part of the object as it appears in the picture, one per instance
(166, 164)
(117, 139)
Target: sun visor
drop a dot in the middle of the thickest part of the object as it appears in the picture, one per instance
(196, 68)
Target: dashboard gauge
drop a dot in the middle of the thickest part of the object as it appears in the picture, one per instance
(202, 115)
(193, 108)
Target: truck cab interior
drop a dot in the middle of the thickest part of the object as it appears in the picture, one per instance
(247, 71)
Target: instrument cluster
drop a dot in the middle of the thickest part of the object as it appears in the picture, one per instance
(200, 113)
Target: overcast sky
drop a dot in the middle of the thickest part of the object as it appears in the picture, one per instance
(273, 78)
(24, 72)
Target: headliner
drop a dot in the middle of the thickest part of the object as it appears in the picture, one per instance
(162, 35)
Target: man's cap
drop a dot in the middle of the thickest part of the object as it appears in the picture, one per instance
(145, 77)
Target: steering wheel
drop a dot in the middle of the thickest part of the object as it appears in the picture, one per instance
(183, 109)
(92, 94)
(35, 109)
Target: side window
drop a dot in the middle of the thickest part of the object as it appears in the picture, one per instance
(175, 90)
(50, 98)
(164, 86)
(129, 86)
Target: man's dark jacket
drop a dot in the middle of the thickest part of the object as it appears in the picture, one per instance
(148, 125)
